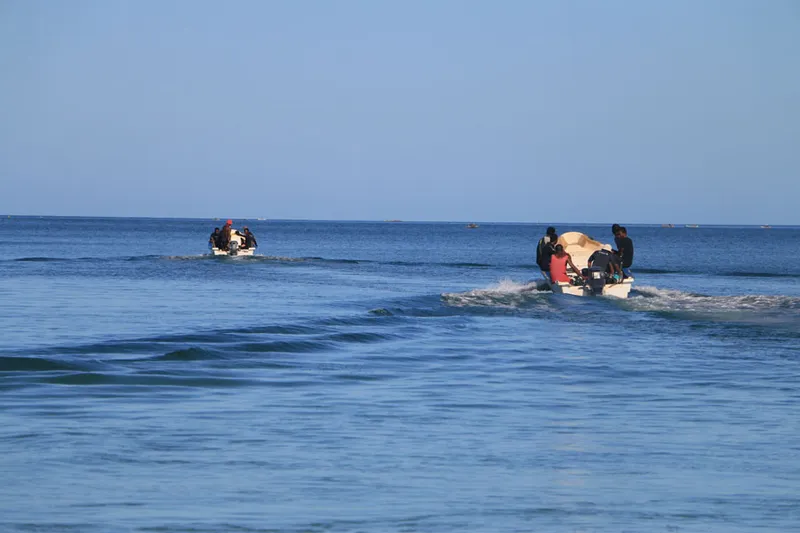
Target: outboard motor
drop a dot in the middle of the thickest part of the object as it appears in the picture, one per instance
(596, 281)
(234, 248)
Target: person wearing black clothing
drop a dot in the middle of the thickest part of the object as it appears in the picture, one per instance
(213, 240)
(249, 239)
(614, 231)
(625, 247)
(607, 261)
(544, 250)
(224, 239)
(546, 254)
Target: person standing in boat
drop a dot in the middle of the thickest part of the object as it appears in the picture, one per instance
(544, 250)
(625, 250)
(558, 265)
(547, 254)
(224, 239)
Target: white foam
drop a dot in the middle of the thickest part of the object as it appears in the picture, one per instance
(504, 293)
(655, 299)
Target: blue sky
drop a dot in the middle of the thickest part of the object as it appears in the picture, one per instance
(577, 111)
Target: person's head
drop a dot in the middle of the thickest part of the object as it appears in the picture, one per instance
(551, 230)
(615, 228)
(216, 230)
(229, 222)
(553, 238)
(622, 232)
(559, 249)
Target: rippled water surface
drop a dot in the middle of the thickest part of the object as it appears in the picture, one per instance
(393, 377)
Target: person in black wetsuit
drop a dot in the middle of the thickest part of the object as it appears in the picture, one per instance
(546, 254)
(544, 251)
(213, 240)
(249, 239)
(625, 250)
(608, 261)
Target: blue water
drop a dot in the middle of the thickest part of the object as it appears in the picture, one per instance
(393, 377)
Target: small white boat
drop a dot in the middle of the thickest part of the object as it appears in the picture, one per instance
(580, 247)
(236, 246)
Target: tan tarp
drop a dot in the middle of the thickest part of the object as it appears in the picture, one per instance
(580, 247)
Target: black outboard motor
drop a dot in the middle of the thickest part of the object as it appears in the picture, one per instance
(596, 281)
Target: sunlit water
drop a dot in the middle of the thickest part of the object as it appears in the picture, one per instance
(393, 377)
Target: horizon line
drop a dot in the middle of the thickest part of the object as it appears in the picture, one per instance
(691, 225)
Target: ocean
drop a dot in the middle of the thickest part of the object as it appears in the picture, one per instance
(393, 376)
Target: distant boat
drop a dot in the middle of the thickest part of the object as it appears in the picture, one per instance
(766, 226)
(472, 225)
(261, 219)
(667, 225)
(692, 226)
(393, 220)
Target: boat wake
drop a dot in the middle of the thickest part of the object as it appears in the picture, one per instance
(655, 298)
(506, 293)
(756, 309)
(267, 258)
(779, 311)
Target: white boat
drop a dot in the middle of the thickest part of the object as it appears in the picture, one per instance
(580, 247)
(236, 246)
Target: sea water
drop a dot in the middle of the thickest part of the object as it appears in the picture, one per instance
(357, 376)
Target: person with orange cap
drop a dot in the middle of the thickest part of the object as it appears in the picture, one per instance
(224, 239)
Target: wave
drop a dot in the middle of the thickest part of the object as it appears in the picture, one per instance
(40, 259)
(506, 293)
(360, 337)
(759, 275)
(189, 354)
(658, 271)
(457, 264)
(649, 296)
(745, 274)
(252, 343)
(35, 364)
(148, 380)
(778, 311)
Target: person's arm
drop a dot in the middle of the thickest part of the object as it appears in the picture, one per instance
(572, 265)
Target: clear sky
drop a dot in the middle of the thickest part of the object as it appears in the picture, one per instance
(678, 111)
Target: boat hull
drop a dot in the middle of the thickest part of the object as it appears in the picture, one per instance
(246, 252)
(617, 290)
